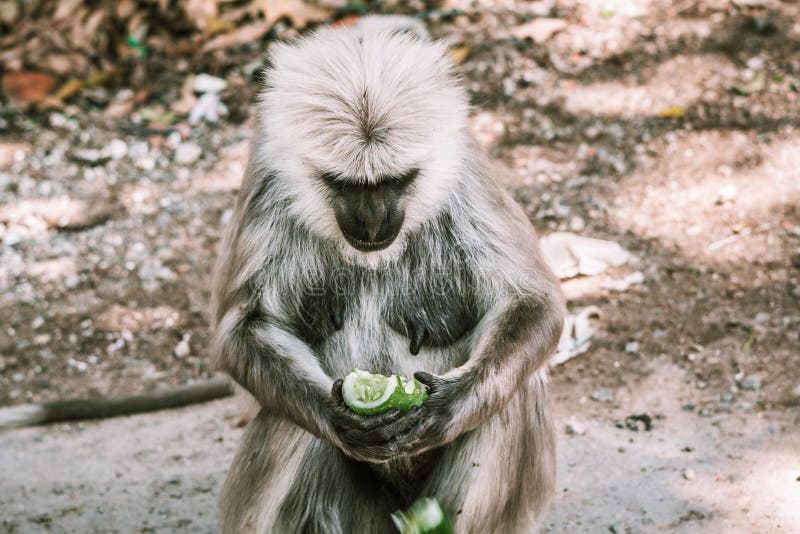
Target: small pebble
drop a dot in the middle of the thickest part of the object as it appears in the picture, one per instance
(688, 474)
(205, 83)
(187, 153)
(182, 349)
(750, 383)
(603, 395)
(574, 428)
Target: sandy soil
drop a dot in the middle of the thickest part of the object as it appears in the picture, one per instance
(163, 472)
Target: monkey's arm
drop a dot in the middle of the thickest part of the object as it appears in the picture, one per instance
(284, 375)
(277, 368)
(512, 341)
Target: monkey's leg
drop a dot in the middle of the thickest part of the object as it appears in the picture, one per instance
(500, 476)
(283, 479)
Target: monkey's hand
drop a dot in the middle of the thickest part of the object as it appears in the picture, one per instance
(368, 438)
(431, 424)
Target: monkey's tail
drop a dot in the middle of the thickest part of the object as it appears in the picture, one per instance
(76, 409)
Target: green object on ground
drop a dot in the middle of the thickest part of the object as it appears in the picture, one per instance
(370, 394)
(425, 516)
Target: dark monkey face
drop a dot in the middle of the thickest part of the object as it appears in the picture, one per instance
(370, 215)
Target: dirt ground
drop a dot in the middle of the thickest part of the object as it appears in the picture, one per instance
(672, 128)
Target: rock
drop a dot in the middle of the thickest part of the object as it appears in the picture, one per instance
(688, 474)
(796, 391)
(632, 347)
(205, 83)
(750, 383)
(78, 365)
(726, 193)
(89, 156)
(574, 428)
(638, 422)
(38, 322)
(11, 152)
(116, 149)
(187, 153)
(726, 398)
(761, 317)
(577, 223)
(182, 349)
(208, 108)
(603, 395)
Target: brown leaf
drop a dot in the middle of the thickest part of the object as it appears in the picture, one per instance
(539, 30)
(300, 13)
(26, 88)
(69, 89)
(245, 34)
(458, 54)
(125, 8)
(65, 8)
(201, 12)
(346, 22)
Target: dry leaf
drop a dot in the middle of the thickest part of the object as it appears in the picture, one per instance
(24, 88)
(218, 25)
(70, 88)
(66, 8)
(349, 20)
(458, 54)
(200, 12)
(300, 13)
(125, 8)
(672, 112)
(755, 85)
(245, 34)
(539, 30)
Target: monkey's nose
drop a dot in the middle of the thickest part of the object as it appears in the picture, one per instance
(372, 214)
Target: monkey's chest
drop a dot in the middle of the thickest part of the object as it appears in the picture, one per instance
(426, 311)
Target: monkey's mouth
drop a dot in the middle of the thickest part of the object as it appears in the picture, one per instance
(370, 246)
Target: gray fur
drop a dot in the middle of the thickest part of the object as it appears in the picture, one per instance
(462, 295)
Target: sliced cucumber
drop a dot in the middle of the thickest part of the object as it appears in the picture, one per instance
(425, 516)
(369, 394)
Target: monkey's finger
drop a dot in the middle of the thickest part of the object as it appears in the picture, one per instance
(432, 381)
(411, 441)
(336, 390)
(344, 418)
(388, 433)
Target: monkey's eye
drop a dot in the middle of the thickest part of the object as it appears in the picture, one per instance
(403, 179)
(334, 181)
(410, 176)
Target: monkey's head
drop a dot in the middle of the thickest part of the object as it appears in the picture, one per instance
(366, 132)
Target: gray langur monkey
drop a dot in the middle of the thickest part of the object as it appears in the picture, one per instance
(369, 233)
